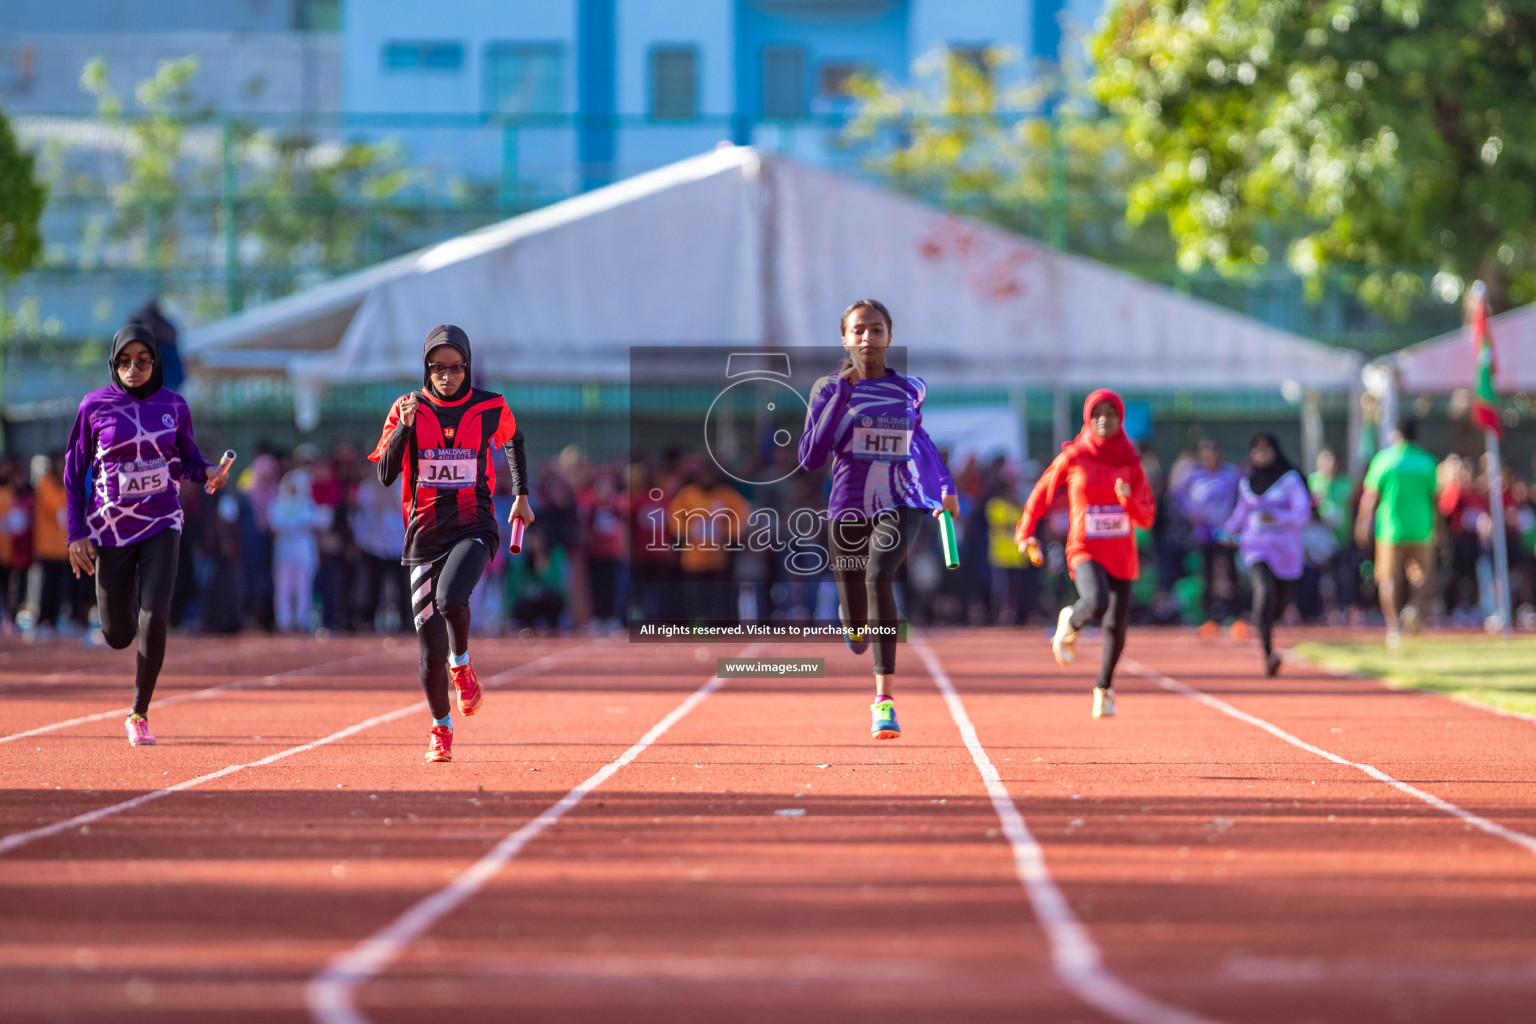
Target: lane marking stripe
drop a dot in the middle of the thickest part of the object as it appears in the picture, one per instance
(1493, 828)
(17, 840)
(270, 680)
(1075, 957)
(329, 994)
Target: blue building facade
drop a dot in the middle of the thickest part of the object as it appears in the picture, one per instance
(561, 95)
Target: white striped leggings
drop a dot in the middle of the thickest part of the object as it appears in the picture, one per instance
(440, 601)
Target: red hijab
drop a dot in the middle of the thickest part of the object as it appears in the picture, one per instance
(1117, 449)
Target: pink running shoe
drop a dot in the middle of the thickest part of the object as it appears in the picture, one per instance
(440, 747)
(137, 727)
(467, 684)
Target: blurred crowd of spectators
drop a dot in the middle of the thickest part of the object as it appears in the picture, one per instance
(309, 541)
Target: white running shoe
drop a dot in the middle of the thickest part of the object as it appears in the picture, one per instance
(1103, 702)
(1409, 621)
(1064, 643)
(1394, 639)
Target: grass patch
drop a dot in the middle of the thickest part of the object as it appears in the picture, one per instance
(1498, 673)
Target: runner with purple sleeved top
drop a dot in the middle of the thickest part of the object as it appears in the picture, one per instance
(886, 474)
(130, 446)
(1273, 504)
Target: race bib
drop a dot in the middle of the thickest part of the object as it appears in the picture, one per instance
(447, 469)
(1107, 521)
(139, 480)
(880, 439)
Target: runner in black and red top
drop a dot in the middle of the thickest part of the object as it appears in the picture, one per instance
(440, 439)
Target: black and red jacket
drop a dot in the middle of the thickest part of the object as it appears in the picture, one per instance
(449, 474)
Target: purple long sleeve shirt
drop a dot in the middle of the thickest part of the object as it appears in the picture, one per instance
(1268, 526)
(872, 430)
(125, 458)
(1206, 497)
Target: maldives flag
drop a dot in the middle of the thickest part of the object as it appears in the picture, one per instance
(1485, 400)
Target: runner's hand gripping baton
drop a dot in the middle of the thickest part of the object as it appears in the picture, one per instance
(947, 534)
(515, 542)
(224, 464)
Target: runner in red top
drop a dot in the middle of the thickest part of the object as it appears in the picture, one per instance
(1108, 496)
(438, 442)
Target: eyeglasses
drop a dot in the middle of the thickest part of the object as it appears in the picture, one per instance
(141, 363)
(445, 369)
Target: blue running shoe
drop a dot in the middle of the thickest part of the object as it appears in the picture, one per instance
(883, 725)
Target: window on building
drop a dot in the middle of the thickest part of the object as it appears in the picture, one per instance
(836, 77)
(675, 82)
(426, 55)
(524, 78)
(784, 81)
(317, 15)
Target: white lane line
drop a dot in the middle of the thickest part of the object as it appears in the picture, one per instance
(1389, 683)
(271, 680)
(19, 839)
(1075, 957)
(1493, 828)
(329, 994)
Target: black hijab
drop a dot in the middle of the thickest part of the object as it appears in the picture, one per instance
(453, 337)
(123, 338)
(1262, 478)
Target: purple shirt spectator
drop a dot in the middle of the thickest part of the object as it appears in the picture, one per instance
(1207, 497)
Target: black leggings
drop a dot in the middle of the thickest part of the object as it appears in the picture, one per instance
(866, 554)
(1102, 598)
(1270, 596)
(440, 601)
(134, 586)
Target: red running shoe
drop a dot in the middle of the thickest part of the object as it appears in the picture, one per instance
(440, 747)
(468, 684)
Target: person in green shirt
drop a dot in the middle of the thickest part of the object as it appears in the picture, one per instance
(1400, 489)
(1332, 494)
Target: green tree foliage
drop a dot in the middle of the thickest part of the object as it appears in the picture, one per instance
(1382, 135)
(22, 199)
(957, 138)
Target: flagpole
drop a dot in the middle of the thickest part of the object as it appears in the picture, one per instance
(1485, 404)
(1500, 538)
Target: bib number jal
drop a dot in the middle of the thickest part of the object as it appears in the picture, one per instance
(1107, 521)
(139, 480)
(448, 469)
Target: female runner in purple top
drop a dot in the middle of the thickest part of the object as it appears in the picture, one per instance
(130, 446)
(1273, 504)
(886, 473)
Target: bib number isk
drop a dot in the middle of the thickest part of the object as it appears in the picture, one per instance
(880, 439)
(448, 469)
(1107, 521)
(139, 480)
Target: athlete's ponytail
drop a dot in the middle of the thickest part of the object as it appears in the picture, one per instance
(842, 326)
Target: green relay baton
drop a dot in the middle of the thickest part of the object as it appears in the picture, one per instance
(947, 535)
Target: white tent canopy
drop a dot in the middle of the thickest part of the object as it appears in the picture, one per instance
(739, 248)
(1445, 363)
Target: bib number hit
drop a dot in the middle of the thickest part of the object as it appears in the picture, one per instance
(448, 469)
(1107, 521)
(139, 480)
(880, 439)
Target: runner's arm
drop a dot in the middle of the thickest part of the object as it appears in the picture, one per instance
(1143, 506)
(1041, 499)
(389, 453)
(77, 463)
(193, 466)
(829, 401)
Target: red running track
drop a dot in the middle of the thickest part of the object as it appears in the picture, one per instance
(1218, 869)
